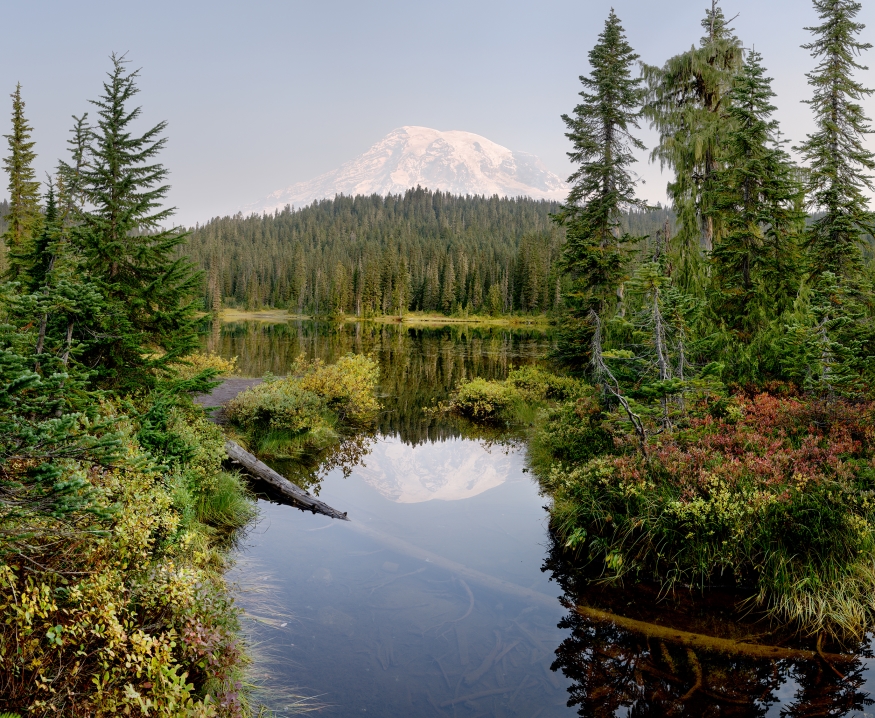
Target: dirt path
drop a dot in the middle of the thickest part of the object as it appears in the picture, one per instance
(222, 394)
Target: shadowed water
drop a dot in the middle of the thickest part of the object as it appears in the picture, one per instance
(445, 594)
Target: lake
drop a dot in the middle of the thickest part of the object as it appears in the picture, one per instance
(445, 594)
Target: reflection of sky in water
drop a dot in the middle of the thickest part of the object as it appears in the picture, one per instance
(358, 618)
(451, 470)
(361, 617)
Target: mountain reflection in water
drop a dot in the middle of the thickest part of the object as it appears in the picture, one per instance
(369, 623)
(408, 475)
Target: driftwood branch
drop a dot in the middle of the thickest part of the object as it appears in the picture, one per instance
(293, 493)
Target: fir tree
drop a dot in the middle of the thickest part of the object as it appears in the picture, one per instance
(687, 104)
(838, 161)
(756, 263)
(23, 219)
(602, 186)
(41, 258)
(149, 289)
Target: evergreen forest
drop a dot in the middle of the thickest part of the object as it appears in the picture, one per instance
(369, 256)
(705, 420)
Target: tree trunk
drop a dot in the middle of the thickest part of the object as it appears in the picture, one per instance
(295, 494)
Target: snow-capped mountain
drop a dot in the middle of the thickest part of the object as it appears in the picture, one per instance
(457, 162)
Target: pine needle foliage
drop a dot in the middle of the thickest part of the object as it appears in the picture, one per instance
(23, 218)
(603, 186)
(150, 291)
(756, 268)
(687, 104)
(838, 161)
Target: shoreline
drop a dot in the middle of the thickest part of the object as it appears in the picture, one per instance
(280, 316)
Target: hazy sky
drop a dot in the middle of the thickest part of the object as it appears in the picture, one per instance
(262, 94)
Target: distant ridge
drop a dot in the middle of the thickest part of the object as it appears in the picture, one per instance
(461, 163)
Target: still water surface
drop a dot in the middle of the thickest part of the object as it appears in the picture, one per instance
(445, 594)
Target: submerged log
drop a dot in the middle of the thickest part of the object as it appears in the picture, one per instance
(293, 493)
(708, 643)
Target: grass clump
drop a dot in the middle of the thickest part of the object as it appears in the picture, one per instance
(310, 409)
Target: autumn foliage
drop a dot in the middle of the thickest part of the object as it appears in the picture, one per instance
(774, 492)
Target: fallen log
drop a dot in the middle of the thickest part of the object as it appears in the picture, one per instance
(293, 493)
(708, 643)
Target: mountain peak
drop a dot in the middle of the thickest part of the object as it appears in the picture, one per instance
(458, 162)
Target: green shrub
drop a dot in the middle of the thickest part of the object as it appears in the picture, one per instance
(572, 432)
(482, 400)
(130, 616)
(773, 495)
(536, 384)
(308, 410)
(280, 404)
(347, 387)
(516, 399)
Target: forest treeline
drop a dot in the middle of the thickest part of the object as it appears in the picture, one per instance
(369, 255)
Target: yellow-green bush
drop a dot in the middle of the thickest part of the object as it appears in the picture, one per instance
(482, 399)
(485, 400)
(286, 416)
(129, 617)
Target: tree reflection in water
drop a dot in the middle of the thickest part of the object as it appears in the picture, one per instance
(616, 671)
(418, 367)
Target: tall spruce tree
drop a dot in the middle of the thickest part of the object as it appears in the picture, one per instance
(838, 161)
(756, 263)
(687, 104)
(601, 132)
(150, 291)
(23, 219)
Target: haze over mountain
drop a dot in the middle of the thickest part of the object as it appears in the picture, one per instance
(461, 163)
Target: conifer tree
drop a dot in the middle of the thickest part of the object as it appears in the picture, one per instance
(41, 258)
(687, 104)
(23, 219)
(602, 186)
(838, 161)
(150, 290)
(756, 263)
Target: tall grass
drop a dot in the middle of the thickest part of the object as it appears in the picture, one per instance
(228, 505)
